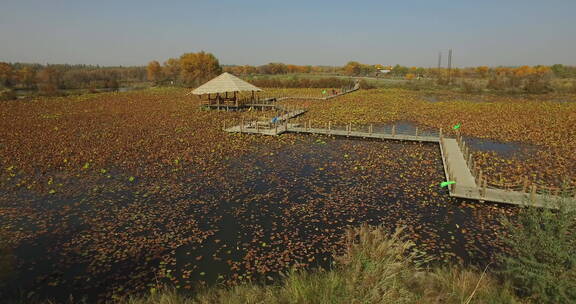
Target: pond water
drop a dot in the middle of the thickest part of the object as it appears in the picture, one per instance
(259, 215)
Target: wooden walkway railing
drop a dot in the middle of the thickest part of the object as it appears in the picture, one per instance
(458, 161)
(355, 88)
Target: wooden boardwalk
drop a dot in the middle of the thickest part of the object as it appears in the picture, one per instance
(456, 158)
(355, 88)
(270, 103)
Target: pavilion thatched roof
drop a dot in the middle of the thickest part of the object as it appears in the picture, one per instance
(226, 82)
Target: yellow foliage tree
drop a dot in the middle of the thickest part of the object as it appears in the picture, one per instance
(482, 71)
(196, 68)
(410, 76)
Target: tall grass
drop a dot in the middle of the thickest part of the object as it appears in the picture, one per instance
(376, 268)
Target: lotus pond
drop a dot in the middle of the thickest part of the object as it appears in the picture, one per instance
(120, 192)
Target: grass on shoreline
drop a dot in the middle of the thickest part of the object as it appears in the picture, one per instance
(376, 268)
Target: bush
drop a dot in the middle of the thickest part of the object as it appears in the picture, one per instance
(537, 86)
(7, 94)
(470, 87)
(542, 266)
(496, 83)
(365, 85)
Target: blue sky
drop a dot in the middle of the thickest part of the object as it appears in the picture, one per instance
(505, 32)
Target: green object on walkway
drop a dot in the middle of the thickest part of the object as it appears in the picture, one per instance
(444, 184)
(456, 127)
(324, 92)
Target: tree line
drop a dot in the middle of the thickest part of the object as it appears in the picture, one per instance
(192, 69)
(53, 77)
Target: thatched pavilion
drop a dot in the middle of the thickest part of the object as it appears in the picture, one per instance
(224, 92)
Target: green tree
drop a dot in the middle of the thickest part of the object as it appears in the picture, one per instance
(542, 265)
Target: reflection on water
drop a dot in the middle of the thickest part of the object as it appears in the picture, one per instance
(502, 148)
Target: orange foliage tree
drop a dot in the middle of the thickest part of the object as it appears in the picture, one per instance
(154, 71)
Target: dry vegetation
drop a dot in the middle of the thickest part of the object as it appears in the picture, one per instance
(124, 183)
(539, 121)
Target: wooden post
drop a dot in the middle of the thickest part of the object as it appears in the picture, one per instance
(242, 125)
(224, 125)
(309, 124)
(440, 133)
(480, 176)
(371, 128)
(276, 128)
(533, 194)
(416, 131)
(257, 127)
(349, 128)
(286, 125)
(484, 188)
(329, 127)
(525, 185)
(393, 130)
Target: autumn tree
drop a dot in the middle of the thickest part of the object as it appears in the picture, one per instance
(49, 80)
(6, 74)
(482, 71)
(171, 69)
(154, 71)
(196, 68)
(352, 68)
(26, 77)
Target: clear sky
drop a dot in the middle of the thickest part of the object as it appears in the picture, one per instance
(409, 32)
